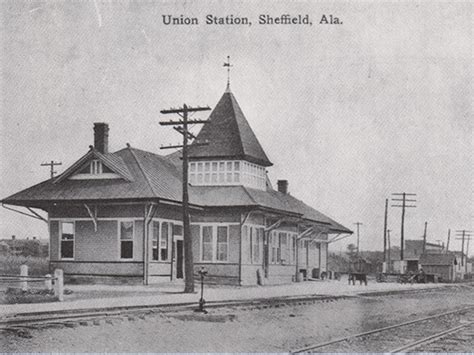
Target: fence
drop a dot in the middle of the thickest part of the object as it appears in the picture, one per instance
(55, 283)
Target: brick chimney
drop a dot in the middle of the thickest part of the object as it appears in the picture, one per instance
(283, 186)
(101, 137)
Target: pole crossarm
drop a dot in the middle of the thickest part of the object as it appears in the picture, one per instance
(52, 164)
(181, 122)
(188, 109)
(34, 214)
(403, 200)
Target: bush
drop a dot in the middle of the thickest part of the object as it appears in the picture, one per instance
(10, 265)
(16, 295)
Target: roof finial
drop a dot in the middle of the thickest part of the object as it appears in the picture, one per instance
(228, 66)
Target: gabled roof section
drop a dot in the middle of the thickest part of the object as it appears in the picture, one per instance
(229, 135)
(240, 196)
(112, 161)
(151, 177)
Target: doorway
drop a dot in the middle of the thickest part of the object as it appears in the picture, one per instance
(179, 259)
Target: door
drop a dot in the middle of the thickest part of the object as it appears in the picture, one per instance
(179, 259)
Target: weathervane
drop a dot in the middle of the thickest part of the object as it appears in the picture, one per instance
(228, 66)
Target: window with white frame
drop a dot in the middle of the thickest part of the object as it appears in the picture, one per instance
(222, 243)
(67, 240)
(161, 239)
(94, 169)
(165, 241)
(276, 250)
(155, 241)
(214, 243)
(256, 242)
(207, 243)
(284, 252)
(293, 249)
(227, 172)
(126, 239)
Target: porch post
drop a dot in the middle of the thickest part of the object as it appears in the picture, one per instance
(150, 210)
(266, 242)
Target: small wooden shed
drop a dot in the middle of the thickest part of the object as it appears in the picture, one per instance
(440, 264)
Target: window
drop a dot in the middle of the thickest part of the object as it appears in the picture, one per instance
(284, 257)
(94, 169)
(227, 173)
(162, 232)
(164, 241)
(257, 239)
(67, 240)
(206, 253)
(126, 240)
(275, 243)
(293, 249)
(222, 243)
(214, 243)
(155, 240)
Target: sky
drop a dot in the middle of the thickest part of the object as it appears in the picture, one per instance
(347, 113)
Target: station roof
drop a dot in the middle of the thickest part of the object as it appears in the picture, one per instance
(229, 135)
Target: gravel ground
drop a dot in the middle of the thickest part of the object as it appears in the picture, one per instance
(239, 329)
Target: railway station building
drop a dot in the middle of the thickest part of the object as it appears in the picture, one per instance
(117, 216)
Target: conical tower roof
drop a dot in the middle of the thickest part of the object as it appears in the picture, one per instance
(229, 135)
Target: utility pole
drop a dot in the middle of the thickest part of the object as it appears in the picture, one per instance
(464, 234)
(405, 203)
(52, 164)
(385, 231)
(389, 257)
(181, 126)
(449, 237)
(358, 224)
(424, 238)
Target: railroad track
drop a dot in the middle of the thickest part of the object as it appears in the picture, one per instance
(399, 337)
(82, 316)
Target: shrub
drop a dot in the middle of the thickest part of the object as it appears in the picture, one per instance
(10, 265)
(16, 295)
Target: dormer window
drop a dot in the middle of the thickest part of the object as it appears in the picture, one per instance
(94, 169)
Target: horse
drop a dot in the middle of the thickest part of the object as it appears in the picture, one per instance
(357, 276)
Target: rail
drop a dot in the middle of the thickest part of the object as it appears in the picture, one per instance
(313, 347)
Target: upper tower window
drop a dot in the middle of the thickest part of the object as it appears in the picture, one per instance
(227, 172)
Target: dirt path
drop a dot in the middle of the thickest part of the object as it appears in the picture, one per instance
(241, 330)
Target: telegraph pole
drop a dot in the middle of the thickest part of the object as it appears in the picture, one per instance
(405, 203)
(181, 126)
(464, 234)
(449, 237)
(52, 164)
(389, 257)
(385, 232)
(424, 238)
(358, 224)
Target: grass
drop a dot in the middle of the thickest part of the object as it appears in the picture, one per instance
(10, 265)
